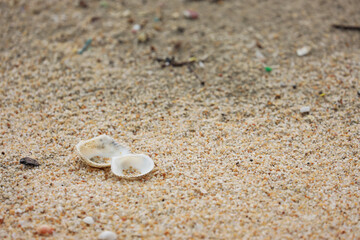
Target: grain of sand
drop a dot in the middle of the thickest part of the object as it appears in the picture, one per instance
(235, 157)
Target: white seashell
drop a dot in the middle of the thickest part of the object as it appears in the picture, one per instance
(100, 147)
(140, 163)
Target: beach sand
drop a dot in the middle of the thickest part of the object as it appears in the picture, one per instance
(235, 158)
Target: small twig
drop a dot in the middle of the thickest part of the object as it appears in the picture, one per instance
(344, 27)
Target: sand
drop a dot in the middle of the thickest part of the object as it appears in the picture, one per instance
(235, 158)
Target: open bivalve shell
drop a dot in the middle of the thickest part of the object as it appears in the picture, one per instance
(132, 165)
(99, 151)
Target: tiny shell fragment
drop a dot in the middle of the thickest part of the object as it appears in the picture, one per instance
(303, 51)
(191, 14)
(107, 235)
(305, 109)
(88, 220)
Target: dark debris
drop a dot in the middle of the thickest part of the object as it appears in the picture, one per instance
(170, 61)
(29, 162)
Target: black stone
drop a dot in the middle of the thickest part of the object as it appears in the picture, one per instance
(29, 162)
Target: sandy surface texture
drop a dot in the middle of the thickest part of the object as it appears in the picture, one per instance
(235, 157)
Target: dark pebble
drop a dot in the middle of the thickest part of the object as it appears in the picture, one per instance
(29, 162)
(83, 4)
(180, 29)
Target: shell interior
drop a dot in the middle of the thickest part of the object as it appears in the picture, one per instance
(132, 165)
(102, 147)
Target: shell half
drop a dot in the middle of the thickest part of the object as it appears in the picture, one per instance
(99, 151)
(132, 165)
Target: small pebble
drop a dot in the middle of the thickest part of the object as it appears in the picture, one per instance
(88, 220)
(83, 4)
(135, 28)
(180, 29)
(191, 14)
(305, 109)
(282, 84)
(175, 15)
(45, 230)
(29, 162)
(18, 211)
(303, 51)
(143, 38)
(107, 235)
(126, 13)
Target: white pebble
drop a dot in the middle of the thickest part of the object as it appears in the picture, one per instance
(18, 211)
(107, 235)
(303, 51)
(305, 109)
(136, 28)
(88, 220)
